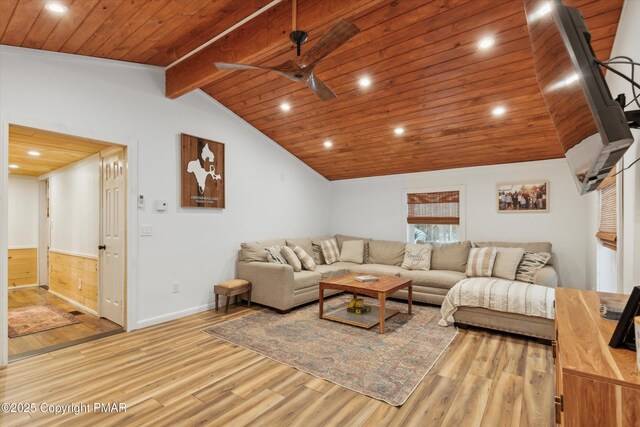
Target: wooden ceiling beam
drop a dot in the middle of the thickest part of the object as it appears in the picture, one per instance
(258, 39)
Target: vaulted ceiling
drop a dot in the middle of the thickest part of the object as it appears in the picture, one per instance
(428, 74)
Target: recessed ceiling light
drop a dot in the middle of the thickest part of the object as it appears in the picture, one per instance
(398, 131)
(498, 111)
(285, 106)
(364, 82)
(486, 43)
(33, 153)
(12, 166)
(328, 144)
(55, 7)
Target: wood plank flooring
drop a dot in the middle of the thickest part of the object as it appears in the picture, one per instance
(90, 326)
(173, 374)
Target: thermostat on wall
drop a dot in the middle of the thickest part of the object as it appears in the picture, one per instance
(160, 205)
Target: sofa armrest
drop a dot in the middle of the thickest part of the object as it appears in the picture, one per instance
(546, 276)
(271, 284)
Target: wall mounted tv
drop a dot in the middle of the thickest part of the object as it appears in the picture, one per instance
(590, 124)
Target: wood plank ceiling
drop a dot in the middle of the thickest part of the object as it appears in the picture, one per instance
(55, 150)
(428, 75)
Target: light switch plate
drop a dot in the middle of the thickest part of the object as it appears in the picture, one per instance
(146, 230)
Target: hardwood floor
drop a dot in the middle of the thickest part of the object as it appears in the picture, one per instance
(90, 326)
(173, 374)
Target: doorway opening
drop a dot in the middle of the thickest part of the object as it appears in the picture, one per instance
(67, 225)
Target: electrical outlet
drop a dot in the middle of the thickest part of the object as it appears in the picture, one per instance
(176, 287)
(79, 282)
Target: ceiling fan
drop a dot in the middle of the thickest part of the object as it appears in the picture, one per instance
(302, 69)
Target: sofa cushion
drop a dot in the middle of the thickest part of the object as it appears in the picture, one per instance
(530, 264)
(386, 252)
(507, 261)
(316, 244)
(341, 238)
(527, 246)
(444, 279)
(256, 251)
(352, 251)
(304, 279)
(291, 257)
(330, 251)
(334, 270)
(481, 261)
(450, 256)
(417, 257)
(376, 269)
(306, 260)
(305, 244)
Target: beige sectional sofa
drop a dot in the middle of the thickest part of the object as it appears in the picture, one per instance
(279, 287)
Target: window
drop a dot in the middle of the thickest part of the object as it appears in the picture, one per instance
(434, 216)
(607, 230)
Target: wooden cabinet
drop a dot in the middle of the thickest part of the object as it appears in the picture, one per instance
(596, 385)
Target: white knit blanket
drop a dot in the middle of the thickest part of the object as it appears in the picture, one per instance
(500, 295)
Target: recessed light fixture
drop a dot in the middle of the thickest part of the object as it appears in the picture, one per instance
(364, 82)
(328, 144)
(33, 153)
(12, 166)
(285, 106)
(486, 43)
(55, 7)
(498, 111)
(398, 130)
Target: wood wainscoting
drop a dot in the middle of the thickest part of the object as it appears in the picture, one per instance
(23, 267)
(75, 278)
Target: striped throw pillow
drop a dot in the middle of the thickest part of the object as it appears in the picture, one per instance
(307, 261)
(481, 260)
(274, 255)
(530, 264)
(291, 257)
(330, 251)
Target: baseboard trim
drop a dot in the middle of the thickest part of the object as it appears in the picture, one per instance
(33, 285)
(175, 315)
(74, 303)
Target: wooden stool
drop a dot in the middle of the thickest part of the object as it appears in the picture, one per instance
(232, 288)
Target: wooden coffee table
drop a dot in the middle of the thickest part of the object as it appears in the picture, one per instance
(381, 289)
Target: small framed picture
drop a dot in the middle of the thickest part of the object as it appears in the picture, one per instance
(531, 196)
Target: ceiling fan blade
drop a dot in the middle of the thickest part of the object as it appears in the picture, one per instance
(330, 41)
(320, 89)
(229, 66)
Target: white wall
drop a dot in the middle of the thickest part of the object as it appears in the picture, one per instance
(374, 207)
(74, 199)
(270, 193)
(23, 212)
(628, 270)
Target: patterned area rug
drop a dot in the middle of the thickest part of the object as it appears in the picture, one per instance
(387, 367)
(37, 318)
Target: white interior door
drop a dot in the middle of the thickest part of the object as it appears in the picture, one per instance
(112, 247)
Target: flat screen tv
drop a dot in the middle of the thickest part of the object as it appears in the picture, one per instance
(590, 124)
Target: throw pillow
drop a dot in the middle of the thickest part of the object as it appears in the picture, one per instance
(417, 257)
(450, 256)
(530, 264)
(291, 257)
(352, 251)
(330, 251)
(480, 262)
(274, 255)
(507, 261)
(307, 261)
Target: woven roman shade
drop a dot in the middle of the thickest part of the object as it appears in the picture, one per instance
(441, 207)
(607, 231)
